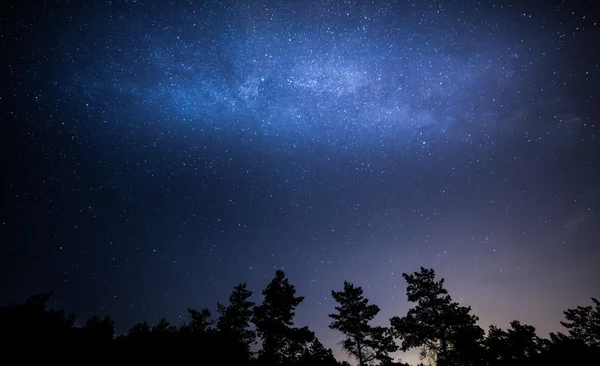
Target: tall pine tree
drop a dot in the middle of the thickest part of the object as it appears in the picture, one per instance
(282, 343)
(363, 341)
(234, 325)
(444, 330)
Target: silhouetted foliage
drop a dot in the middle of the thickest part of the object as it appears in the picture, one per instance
(363, 341)
(31, 324)
(581, 345)
(234, 326)
(99, 330)
(583, 323)
(282, 343)
(316, 354)
(519, 345)
(34, 332)
(445, 331)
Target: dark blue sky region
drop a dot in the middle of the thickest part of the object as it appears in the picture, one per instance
(158, 153)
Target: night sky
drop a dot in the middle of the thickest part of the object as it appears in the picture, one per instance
(156, 153)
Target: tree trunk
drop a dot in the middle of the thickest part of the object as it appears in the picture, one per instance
(360, 356)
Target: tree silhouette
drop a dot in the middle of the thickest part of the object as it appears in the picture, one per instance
(363, 341)
(164, 329)
(440, 327)
(200, 320)
(519, 345)
(583, 323)
(139, 330)
(96, 334)
(30, 324)
(444, 330)
(198, 332)
(138, 337)
(317, 355)
(282, 343)
(146, 343)
(100, 330)
(562, 349)
(234, 325)
(581, 344)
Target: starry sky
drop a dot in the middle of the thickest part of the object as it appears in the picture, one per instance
(156, 153)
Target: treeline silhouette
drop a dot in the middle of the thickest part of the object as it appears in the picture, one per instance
(245, 333)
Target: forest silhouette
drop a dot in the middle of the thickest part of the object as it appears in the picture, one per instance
(244, 333)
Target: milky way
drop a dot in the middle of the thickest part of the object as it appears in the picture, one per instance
(160, 152)
(349, 76)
